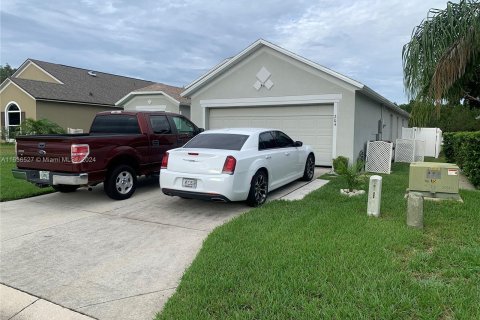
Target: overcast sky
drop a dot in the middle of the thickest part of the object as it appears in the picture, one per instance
(176, 41)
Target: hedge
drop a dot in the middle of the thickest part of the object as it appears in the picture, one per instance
(463, 148)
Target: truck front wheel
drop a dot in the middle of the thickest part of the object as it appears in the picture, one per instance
(121, 182)
(65, 188)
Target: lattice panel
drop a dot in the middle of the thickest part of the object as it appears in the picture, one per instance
(379, 157)
(419, 150)
(404, 150)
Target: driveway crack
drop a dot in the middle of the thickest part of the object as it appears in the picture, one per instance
(16, 314)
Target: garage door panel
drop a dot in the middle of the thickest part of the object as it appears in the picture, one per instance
(313, 125)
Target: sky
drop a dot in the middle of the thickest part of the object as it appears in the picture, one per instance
(175, 42)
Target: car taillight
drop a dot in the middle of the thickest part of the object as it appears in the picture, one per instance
(79, 152)
(165, 161)
(229, 165)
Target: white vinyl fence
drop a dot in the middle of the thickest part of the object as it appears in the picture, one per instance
(432, 138)
(379, 157)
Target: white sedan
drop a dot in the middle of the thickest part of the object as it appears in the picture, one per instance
(235, 165)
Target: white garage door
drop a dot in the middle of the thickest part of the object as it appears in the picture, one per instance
(313, 125)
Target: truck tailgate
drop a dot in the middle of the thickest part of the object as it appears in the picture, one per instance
(45, 153)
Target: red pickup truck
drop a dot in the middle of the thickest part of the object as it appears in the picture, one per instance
(120, 146)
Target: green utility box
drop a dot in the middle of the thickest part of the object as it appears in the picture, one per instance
(434, 180)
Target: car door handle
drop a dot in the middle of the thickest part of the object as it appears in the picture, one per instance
(287, 153)
(268, 157)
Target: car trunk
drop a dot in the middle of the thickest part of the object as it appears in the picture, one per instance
(199, 161)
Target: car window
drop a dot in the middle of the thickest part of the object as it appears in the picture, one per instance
(266, 141)
(115, 123)
(160, 124)
(183, 125)
(223, 141)
(283, 141)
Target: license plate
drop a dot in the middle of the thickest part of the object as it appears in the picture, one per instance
(189, 183)
(45, 175)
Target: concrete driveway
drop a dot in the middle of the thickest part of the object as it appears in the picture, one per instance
(103, 258)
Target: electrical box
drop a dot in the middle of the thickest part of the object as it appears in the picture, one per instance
(434, 179)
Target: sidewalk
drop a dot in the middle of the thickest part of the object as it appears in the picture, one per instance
(18, 305)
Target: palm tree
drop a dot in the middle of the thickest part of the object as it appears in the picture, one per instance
(442, 60)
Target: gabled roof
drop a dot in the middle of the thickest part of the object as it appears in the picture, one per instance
(159, 88)
(78, 85)
(227, 63)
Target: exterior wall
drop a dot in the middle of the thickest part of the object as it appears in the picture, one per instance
(24, 101)
(290, 78)
(155, 100)
(33, 72)
(185, 111)
(367, 114)
(68, 115)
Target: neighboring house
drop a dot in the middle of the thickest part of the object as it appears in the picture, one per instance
(66, 95)
(268, 86)
(157, 97)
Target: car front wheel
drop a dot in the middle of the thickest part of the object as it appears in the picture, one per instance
(258, 189)
(309, 168)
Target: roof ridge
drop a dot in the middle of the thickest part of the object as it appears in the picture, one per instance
(72, 67)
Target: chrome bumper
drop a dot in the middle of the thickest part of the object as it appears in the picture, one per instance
(55, 178)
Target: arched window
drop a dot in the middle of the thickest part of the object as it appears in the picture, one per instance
(12, 118)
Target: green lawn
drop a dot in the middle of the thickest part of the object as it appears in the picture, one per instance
(324, 258)
(11, 188)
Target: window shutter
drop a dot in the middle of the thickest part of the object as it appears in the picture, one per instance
(22, 117)
(3, 119)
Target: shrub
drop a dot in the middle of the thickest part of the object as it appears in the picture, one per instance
(339, 163)
(351, 174)
(42, 126)
(463, 148)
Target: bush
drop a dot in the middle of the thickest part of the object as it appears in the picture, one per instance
(463, 148)
(42, 126)
(339, 163)
(351, 174)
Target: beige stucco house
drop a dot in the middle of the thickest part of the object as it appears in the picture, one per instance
(268, 86)
(66, 95)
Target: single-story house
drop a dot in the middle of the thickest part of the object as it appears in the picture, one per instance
(268, 86)
(66, 95)
(156, 97)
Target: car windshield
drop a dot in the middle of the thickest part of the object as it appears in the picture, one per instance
(223, 141)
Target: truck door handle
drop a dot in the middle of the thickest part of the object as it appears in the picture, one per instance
(268, 157)
(155, 143)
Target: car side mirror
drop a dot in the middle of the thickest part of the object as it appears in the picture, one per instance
(298, 144)
(199, 130)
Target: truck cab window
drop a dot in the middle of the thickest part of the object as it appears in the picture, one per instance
(183, 125)
(160, 125)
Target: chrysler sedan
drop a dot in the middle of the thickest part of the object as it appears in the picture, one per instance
(235, 165)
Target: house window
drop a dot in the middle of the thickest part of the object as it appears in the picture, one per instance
(12, 119)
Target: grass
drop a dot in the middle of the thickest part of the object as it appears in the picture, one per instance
(322, 257)
(11, 188)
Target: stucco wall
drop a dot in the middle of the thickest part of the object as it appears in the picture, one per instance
(155, 100)
(32, 72)
(290, 78)
(69, 115)
(367, 114)
(12, 93)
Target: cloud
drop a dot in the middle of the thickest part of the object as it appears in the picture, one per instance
(177, 41)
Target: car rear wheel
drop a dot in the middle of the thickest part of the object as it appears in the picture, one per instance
(309, 168)
(65, 188)
(121, 182)
(258, 189)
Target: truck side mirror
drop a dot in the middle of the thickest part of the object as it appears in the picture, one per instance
(199, 130)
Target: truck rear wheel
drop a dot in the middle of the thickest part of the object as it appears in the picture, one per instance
(121, 182)
(65, 188)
